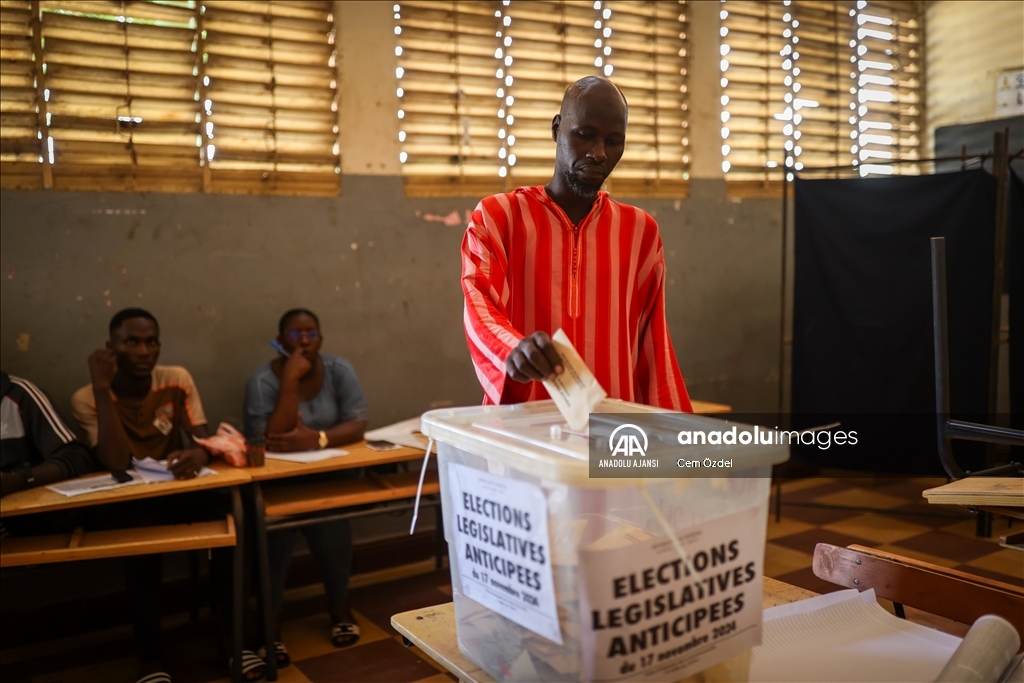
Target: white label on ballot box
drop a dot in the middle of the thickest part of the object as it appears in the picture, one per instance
(647, 618)
(501, 537)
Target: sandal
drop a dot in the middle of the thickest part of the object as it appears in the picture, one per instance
(343, 635)
(158, 677)
(280, 654)
(254, 669)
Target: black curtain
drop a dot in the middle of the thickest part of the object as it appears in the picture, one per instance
(862, 320)
(1015, 282)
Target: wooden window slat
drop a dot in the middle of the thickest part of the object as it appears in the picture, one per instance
(452, 135)
(815, 54)
(224, 96)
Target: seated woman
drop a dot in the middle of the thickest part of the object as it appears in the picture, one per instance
(301, 401)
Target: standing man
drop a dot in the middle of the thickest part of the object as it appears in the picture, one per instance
(567, 256)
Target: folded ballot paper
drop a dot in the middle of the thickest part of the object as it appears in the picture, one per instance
(848, 636)
(576, 391)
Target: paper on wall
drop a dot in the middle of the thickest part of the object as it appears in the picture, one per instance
(576, 391)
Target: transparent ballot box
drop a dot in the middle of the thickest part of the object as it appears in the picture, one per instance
(558, 575)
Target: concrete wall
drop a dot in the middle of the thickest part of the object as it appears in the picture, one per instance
(968, 44)
(380, 269)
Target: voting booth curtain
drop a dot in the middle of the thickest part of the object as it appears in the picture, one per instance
(862, 320)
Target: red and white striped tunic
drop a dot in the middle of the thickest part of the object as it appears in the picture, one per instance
(525, 267)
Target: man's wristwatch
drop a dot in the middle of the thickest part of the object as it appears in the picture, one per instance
(322, 441)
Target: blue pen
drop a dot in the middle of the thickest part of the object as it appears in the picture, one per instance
(273, 342)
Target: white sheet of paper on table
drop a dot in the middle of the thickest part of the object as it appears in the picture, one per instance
(846, 637)
(404, 433)
(99, 482)
(308, 456)
(576, 391)
(154, 471)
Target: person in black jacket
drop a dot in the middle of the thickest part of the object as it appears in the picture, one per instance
(36, 447)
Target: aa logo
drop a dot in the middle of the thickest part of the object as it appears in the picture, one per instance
(631, 441)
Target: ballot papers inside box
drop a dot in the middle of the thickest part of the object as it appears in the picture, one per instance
(557, 576)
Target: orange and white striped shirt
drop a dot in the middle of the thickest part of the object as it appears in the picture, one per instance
(153, 423)
(525, 267)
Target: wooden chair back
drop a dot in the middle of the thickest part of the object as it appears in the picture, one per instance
(928, 587)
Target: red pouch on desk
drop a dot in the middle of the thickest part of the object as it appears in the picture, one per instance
(227, 443)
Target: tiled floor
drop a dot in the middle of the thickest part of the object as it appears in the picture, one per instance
(886, 514)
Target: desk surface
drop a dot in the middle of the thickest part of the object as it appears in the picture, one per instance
(432, 629)
(359, 455)
(41, 499)
(974, 491)
(708, 408)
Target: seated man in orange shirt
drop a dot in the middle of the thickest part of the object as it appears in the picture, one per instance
(136, 409)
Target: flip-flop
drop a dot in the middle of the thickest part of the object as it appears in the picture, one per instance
(280, 654)
(344, 635)
(250, 664)
(158, 677)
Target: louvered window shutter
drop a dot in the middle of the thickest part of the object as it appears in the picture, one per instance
(170, 96)
(479, 83)
(268, 87)
(23, 159)
(811, 85)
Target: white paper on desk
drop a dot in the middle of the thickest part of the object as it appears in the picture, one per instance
(99, 482)
(308, 456)
(576, 391)
(827, 639)
(154, 471)
(404, 433)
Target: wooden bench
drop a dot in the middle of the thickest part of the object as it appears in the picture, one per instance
(94, 545)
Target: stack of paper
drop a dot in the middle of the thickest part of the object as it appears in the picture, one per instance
(404, 433)
(848, 636)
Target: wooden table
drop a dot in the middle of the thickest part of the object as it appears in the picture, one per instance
(89, 545)
(279, 504)
(998, 495)
(708, 408)
(975, 491)
(41, 499)
(432, 629)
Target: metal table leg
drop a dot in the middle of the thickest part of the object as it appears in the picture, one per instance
(263, 561)
(237, 584)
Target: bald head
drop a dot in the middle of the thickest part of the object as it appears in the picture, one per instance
(590, 132)
(593, 89)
